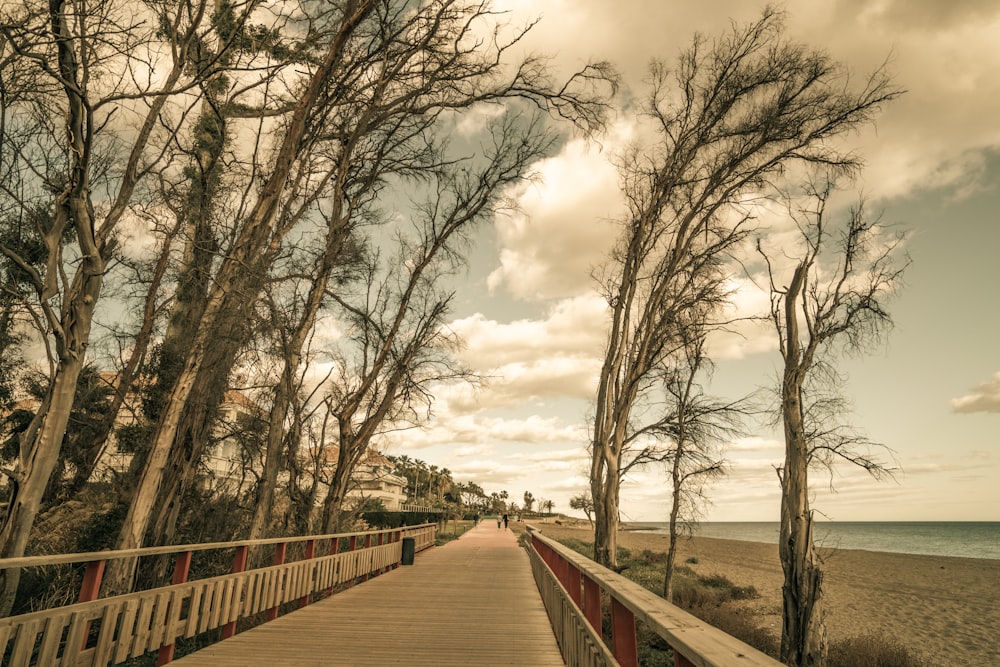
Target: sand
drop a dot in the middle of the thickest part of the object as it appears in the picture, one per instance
(945, 609)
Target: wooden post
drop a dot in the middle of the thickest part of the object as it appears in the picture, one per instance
(182, 567)
(680, 660)
(352, 545)
(239, 565)
(592, 603)
(623, 634)
(573, 584)
(279, 559)
(91, 581)
(90, 589)
(334, 549)
(310, 553)
(368, 545)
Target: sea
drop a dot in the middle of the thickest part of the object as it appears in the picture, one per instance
(965, 539)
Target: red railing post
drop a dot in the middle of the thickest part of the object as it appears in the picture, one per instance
(680, 660)
(352, 545)
(90, 589)
(309, 555)
(239, 565)
(182, 567)
(397, 536)
(381, 541)
(573, 584)
(334, 550)
(623, 634)
(279, 559)
(368, 545)
(592, 602)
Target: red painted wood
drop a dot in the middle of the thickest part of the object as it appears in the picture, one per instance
(309, 554)
(182, 567)
(90, 589)
(573, 584)
(623, 634)
(681, 661)
(239, 565)
(334, 549)
(368, 545)
(592, 603)
(279, 558)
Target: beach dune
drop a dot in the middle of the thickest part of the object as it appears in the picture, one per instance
(947, 610)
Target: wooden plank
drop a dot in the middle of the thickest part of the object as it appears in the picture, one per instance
(169, 634)
(126, 631)
(159, 621)
(5, 631)
(24, 644)
(475, 598)
(106, 637)
(79, 624)
(51, 638)
(145, 615)
(194, 610)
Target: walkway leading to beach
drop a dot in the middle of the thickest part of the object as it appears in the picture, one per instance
(470, 602)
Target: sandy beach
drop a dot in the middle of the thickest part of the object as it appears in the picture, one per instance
(945, 609)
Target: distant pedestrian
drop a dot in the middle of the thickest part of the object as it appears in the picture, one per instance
(505, 520)
(499, 521)
(475, 519)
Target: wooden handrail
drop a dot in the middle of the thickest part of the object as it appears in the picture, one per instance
(111, 554)
(99, 632)
(694, 642)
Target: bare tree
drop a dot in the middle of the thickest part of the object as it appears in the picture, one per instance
(730, 117)
(400, 344)
(392, 72)
(835, 300)
(83, 68)
(695, 425)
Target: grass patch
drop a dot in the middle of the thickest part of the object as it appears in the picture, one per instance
(872, 651)
(452, 531)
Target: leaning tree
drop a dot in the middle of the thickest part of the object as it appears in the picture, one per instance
(731, 116)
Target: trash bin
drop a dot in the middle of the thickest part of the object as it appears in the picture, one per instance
(409, 549)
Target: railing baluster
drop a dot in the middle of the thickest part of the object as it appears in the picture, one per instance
(239, 565)
(90, 589)
(310, 552)
(623, 633)
(592, 602)
(182, 567)
(279, 579)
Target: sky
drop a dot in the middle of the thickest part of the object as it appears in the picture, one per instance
(531, 321)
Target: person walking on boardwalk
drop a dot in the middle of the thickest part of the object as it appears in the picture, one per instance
(475, 519)
(505, 520)
(499, 521)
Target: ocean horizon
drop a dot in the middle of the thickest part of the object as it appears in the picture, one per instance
(963, 539)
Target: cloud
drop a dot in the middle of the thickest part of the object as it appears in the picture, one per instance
(985, 397)
(561, 228)
(558, 355)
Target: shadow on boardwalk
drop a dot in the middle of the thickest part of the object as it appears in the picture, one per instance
(470, 602)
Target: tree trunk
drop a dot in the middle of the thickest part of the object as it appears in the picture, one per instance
(605, 492)
(803, 634)
(34, 470)
(675, 508)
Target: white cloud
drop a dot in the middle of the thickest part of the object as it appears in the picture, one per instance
(562, 226)
(985, 397)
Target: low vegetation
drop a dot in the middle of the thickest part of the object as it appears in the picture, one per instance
(718, 601)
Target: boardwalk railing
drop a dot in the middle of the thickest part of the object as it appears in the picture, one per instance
(98, 632)
(572, 587)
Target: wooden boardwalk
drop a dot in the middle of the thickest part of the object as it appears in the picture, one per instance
(470, 602)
